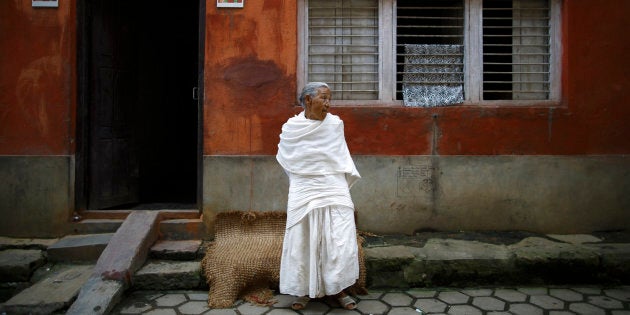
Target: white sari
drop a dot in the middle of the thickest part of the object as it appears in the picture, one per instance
(320, 253)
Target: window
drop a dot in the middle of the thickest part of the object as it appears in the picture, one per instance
(432, 52)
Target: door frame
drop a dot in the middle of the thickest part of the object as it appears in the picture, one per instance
(82, 120)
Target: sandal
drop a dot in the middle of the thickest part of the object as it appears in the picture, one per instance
(300, 303)
(347, 302)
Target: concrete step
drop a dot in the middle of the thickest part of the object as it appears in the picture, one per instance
(442, 261)
(182, 229)
(169, 275)
(177, 250)
(86, 247)
(96, 226)
(55, 291)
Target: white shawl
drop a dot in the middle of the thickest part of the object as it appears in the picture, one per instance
(310, 148)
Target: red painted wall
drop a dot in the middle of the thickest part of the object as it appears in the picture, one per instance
(37, 78)
(250, 91)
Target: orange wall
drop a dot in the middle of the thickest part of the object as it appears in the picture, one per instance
(37, 78)
(250, 91)
(249, 75)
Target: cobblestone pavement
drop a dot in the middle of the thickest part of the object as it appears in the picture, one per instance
(556, 300)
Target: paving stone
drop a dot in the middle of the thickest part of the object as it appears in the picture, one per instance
(453, 297)
(561, 313)
(430, 305)
(587, 290)
(499, 313)
(284, 311)
(170, 300)
(248, 308)
(17, 265)
(566, 295)
(193, 307)
(222, 311)
(620, 312)
(402, 311)
(525, 309)
(546, 302)
(163, 311)
(422, 293)
(621, 295)
(372, 307)
(136, 308)
(175, 250)
(604, 302)
(397, 299)
(575, 238)
(341, 311)
(372, 295)
(198, 296)
(52, 293)
(586, 309)
(533, 291)
(488, 303)
(79, 247)
(477, 292)
(510, 295)
(464, 310)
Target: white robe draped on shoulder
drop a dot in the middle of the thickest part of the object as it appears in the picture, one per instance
(320, 253)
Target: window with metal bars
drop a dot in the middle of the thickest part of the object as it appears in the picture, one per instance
(343, 47)
(432, 52)
(429, 52)
(516, 49)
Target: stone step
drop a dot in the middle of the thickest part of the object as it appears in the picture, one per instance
(177, 250)
(55, 291)
(17, 265)
(86, 247)
(182, 229)
(95, 226)
(169, 275)
(532, 260)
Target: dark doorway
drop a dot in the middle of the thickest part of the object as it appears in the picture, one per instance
(139, 139)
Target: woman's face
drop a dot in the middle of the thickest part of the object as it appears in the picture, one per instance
(317, 107)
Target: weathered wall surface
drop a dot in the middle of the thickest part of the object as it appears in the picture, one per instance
(250, 92)
(37, 78)
(405, 194)
(36, 195)
(37, 110)
(561, 168)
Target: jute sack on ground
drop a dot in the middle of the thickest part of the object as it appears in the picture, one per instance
(244, 259)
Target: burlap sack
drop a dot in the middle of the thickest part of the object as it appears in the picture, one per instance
(244, 259)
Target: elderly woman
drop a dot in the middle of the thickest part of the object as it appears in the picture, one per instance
(320, 253)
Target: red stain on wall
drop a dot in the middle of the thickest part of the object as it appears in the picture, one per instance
(37, 78)
(249, 76)
(590, 119)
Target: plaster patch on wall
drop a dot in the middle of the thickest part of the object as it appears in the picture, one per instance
(415, 180)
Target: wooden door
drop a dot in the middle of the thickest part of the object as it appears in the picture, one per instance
(113, 159)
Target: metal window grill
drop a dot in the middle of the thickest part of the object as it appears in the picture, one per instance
(343, 47)
(429, 52)
(516, 49)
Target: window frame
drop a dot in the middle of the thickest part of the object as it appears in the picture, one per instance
(473, 57)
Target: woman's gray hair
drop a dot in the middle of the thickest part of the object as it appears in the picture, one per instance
(311, 89)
